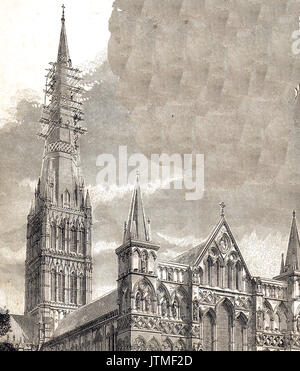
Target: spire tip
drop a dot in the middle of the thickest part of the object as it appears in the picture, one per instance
(63, 13)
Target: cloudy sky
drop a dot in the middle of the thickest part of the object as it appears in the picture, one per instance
(180, 76)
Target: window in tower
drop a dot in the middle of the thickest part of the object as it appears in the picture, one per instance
(53, 236)
(62, 237)
(61, 287)
(53, 285)
(73, 240)
(81, 241)
(82, 289)
(73, 296)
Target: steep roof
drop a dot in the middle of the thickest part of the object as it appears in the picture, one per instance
(189, 257)
(63, 49)
(28, 326)
(88, 313)
(293, 253)
(137, 226)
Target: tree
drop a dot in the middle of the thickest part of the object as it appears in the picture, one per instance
(4, 322)
(4, 328)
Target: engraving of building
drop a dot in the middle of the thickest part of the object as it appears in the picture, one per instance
(58, 267)
(204, 299)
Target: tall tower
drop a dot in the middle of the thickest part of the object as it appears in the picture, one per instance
(137, 277)
(58, 267)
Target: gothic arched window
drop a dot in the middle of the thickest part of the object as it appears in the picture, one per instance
(73, 240)
(82, 289)
(61, 287)
(81, 241)
(240, 334)
(238, 276)
(62, 237)
(53, 285)
(73, 293)
(229, 275)
(223, 328)
(209, 271)
(53, 236)
(208, 332)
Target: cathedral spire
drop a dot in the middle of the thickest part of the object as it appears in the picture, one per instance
(293, 253)
(137, 226)
(282, 264)
(63, 49)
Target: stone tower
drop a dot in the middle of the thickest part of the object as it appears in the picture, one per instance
(58, 267)
(137, 277)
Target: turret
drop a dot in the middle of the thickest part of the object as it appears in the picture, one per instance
(137, 277)
(292, 262)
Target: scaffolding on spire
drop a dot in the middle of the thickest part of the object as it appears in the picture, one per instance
(63, 92)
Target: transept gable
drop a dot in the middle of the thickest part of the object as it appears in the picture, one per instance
(221, 247)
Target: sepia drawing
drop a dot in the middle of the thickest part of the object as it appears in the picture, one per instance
(155, 292)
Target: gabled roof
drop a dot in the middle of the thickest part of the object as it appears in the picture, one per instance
(28, 326)
(190, 256)
(194, 255)
(88, 313)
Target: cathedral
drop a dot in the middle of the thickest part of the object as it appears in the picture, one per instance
(204, 300)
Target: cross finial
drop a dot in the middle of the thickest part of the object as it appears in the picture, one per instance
(294, 214)
(222, 206)
(137, 176)
(63, 13)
